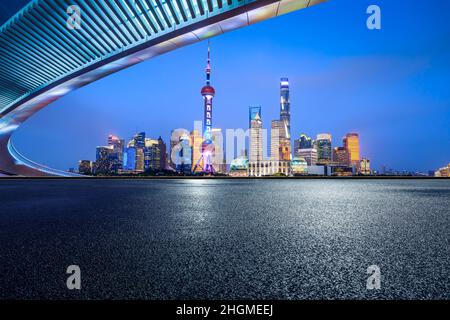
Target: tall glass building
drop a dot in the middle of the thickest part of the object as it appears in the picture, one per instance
(154, 154)
(285, 107)
(276, 134)
(139, 140)
(351, 143)
(285, 118)
(129, 159)
(103, 160)
(116, 156)
(324, 153)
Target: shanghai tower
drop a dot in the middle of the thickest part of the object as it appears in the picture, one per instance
(285, 118)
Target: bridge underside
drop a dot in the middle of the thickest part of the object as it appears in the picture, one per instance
(44, 60)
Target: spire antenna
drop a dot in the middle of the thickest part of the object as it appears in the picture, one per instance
(208, 66)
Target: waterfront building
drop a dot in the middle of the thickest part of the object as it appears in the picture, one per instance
(239, 167)
(299, 166)
(364, 167)
(323, 144)
(443, 172)
(103, 163)
(342, 170)
(163, 149)
(138, 144)
(139, 140)
(269, 168)
(341, 156)
(322, 170)
(154, 154)
(85, 167)
(256, 135)
(140, 160)
(310, 155)
(351, 143)
(116, 156)
(129, 159)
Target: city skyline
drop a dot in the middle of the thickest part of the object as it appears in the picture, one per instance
(328, 91)
(210, 153)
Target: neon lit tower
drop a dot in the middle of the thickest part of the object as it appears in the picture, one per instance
(208, 94)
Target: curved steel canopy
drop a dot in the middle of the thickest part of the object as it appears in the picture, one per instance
(42, 59)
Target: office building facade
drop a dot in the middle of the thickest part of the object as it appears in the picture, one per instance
(323, 145)
(310, 156)
(351, 143)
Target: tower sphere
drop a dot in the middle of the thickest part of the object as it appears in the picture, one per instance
(208, 91)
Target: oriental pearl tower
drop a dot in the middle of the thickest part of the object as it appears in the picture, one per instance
(208, 94)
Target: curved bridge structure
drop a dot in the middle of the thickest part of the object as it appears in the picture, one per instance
(52, 47)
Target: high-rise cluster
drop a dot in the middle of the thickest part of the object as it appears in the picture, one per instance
(280, 139)
(139, 155)
(322, 158)
(201, 151)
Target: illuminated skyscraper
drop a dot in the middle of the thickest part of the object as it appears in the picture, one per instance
(139, 140)
(285, 107)
(138, 143)
(323, 144)
(129, 159)
(154, 154)
(351, 143)
(285, 117)
(115, 141)
(208, 94)
(140, 160)
(102, 160)
(256, 135)
(116, 156)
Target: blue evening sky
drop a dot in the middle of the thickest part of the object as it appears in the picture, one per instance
(391, 86)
